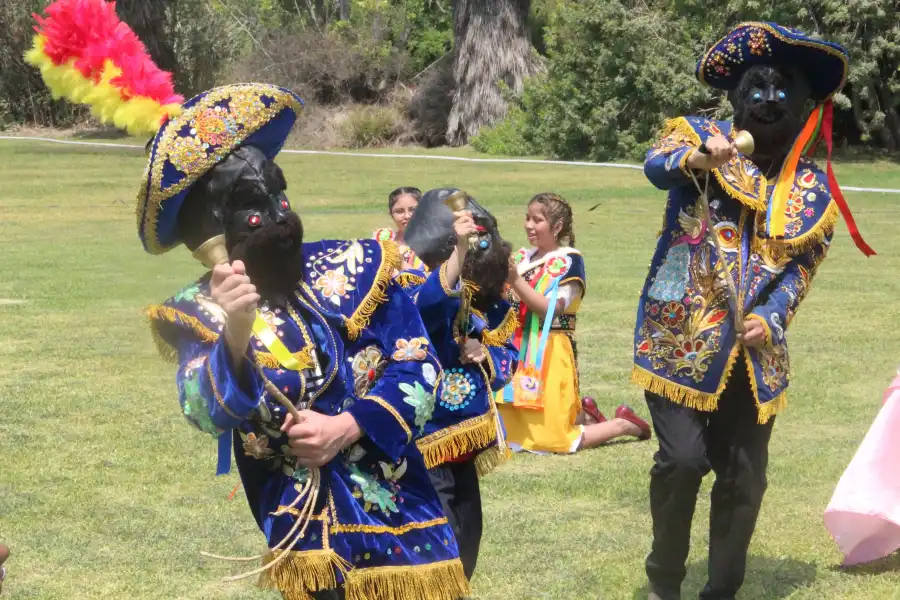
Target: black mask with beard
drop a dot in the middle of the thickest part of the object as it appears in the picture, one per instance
(772, 103)
(243, 196)
(431, 236)
(260, 228)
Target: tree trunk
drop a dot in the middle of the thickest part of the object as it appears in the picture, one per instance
(891, 126)
(492, 45)
(148, 21)
(344, 10)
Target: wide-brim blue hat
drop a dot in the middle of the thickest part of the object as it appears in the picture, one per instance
(825, 64)
(187, 146)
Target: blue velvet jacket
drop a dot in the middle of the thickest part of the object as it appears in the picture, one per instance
(378, 526)
(465, 418)
(685, 344)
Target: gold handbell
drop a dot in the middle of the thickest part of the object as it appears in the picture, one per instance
(456, 202)
(744, 142)
(212, 252)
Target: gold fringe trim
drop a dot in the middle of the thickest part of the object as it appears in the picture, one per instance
(304, 357)
(682, 126)
(502, 334)
(159, 313)
(764, 410)
(408, 280)
(438, 581)
(458, 440)
(817, 234)
(303, 572)
(674, 392)
(767, 410)
(738, 194)
(486, 462)
(377, 295)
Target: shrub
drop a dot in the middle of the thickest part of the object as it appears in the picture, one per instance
(371, 126)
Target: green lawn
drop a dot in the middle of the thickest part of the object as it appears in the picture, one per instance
(105, 491)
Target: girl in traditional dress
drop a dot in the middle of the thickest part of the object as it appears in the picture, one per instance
(542, 408)
(402, 203)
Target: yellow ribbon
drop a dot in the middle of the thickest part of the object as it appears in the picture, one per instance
(270, 340)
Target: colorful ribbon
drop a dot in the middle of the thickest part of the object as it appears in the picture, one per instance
(274, 345)
(818, 126)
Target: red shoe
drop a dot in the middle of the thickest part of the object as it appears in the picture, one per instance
(624, 412)
(590, 407)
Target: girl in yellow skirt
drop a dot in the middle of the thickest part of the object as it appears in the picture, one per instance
(541, 407)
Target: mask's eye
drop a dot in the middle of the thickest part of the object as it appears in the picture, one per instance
(285, 204)
(254, 220)
(757, 96)
(781, 95)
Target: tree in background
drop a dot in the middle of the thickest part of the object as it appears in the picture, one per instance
(617, 69)
(150, 21)
(492, 50)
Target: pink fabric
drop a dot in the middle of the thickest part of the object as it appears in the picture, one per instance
(863, 516)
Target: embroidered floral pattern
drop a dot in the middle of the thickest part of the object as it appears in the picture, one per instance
(334, 284)
(187, 294)
(759, 42)
(187, 154)
(367, 366)
(673, 314)
(558, 265)
(370, 491)
(257, 446)
(775, 366)
(683, 341)
(457, 390)
(412, 349)
(420, 399)
(214, 126)
(429, 374)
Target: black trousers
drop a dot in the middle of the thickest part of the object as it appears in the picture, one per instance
(729, 442)
(457, 486)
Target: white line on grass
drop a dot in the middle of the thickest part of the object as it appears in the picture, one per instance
(525, 161)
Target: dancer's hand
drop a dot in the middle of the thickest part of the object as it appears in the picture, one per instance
(513, 273)
(472, 351)
(464, 224)
(719, 150)
(231, 289)
(755, 334)
(318, 438)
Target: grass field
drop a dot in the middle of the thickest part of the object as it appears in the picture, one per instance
(105, 491)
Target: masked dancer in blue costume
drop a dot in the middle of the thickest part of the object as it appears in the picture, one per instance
(471, 327)
(724, 284)
(305, 356)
